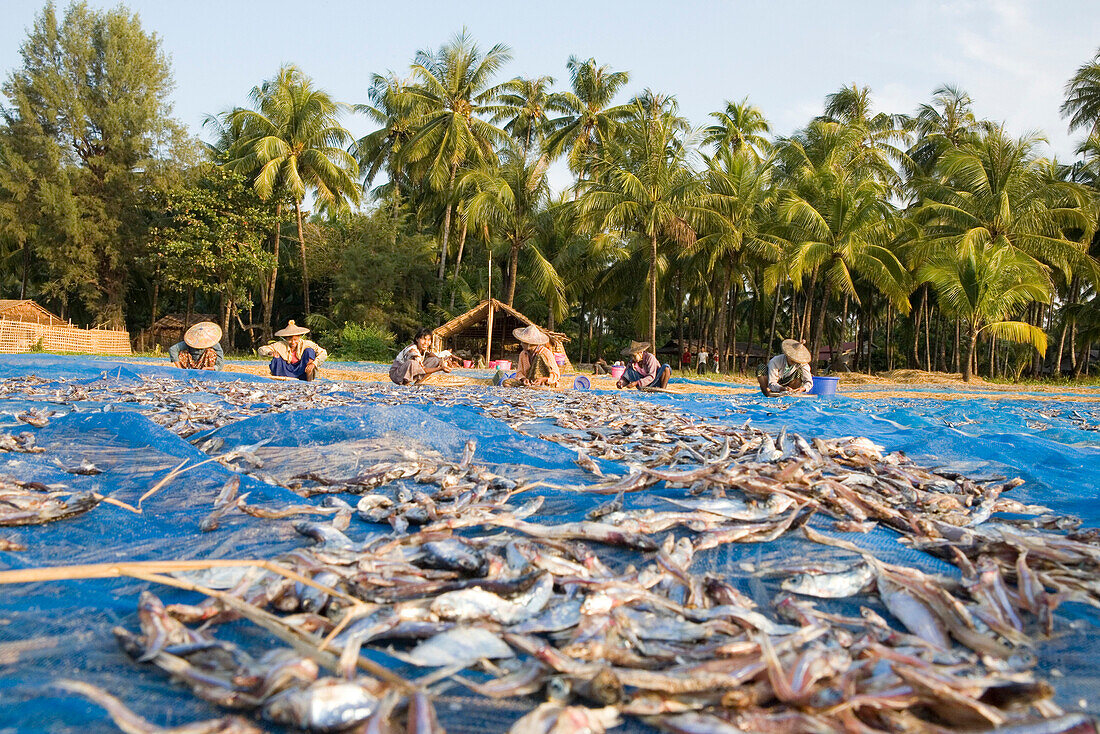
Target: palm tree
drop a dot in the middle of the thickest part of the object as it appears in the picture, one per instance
(396, 111)
(293, 140)
(508, 201)
(1082, 104)
(944, 124)
(529, 100)
(454, 90)
(838, 224)
(877, 151)
(644, 187)
(996, 192)
(739, 127)
(984, 284)
(588, 118)
(739, 198)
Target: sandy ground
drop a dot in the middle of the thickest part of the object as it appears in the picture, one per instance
(896, 384)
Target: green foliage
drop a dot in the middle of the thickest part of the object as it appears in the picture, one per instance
(89, 119)
(208, 234)
(364, 342)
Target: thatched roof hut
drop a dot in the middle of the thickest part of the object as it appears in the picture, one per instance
(468, 335)
(169, 328)
(29, 312)
(26, 326)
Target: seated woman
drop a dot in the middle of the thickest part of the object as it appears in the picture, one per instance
(643, 370)
(296, 357)
(200, 349)
(414, 364)
(786, 373)
(537, 367)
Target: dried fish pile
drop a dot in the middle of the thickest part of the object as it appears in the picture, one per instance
(34, 503)
(459, 582)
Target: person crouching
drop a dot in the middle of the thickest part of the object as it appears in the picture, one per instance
(643, 370)
(296, 357)
(200, 349)
(786, 373)
(537, 367)
(414, 364)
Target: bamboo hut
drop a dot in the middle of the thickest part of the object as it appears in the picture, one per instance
(26, 326)
(168, 329)
(485, 331)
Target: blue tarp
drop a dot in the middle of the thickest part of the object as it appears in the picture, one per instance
(62, 629)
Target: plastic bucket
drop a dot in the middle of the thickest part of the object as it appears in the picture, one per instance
(617, 371)
(560, 359)
(580, 382)
(504, 364)
(467, 363)
(824, 386)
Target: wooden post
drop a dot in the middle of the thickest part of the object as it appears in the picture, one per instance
(489, 335)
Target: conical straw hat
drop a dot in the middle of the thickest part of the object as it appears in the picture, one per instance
(796, 351)
(203, 335)
(635, 347)
(531, 335)
(292, 329)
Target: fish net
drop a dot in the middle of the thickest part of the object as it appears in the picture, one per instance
(137, 424)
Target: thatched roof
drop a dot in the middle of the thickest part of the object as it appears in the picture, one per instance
(480, 313)
(461, 332)
(179, 321)
(28, 311)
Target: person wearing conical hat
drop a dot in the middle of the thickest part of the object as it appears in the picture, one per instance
(788, 372)
(295, 357)
(415, 364)
(200, 349)
(643, 370)
(537, 367)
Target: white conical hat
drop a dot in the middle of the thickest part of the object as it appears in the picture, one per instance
(203, 335)
(292, 329)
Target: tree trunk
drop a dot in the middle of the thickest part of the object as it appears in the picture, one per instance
(815, 349)
(992, 356)
(305, 266)
(680, 317)
(775, 316)
(458, 263)
(970, 353)
(958, 346)
(889, 337)
(927, 330)
(513, 271)
(731, 365)
(915, 361)
(652, 293)
(268, 295)
(447, 224)
(156, 297)
(190, 310)
(870, 340)
(751, 318)
(599, 335)
(26, 269)
(723, 315)
(581, 320)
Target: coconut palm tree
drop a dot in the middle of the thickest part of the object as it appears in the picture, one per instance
(530, 100)
(985, 284)
(996, 192)
(739, 127)
(395, 110)
(739, 199)
(508, 201)
(1082, 105)
(293, 141)
(643, 187)
(945, 123)
(877, 151)
(588, 118)
(454, 87)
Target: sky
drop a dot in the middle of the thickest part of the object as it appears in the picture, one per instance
(1013, 56)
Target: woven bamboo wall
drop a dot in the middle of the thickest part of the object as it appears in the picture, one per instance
(20, 336)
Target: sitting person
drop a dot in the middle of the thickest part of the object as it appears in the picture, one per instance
(643, 370)
(537, 367)
(200, 349)
(414, 364)
(788, 372)
(600, 367)
(296, 357)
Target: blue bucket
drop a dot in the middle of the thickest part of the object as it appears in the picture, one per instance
(824, 386)
(580, 382)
